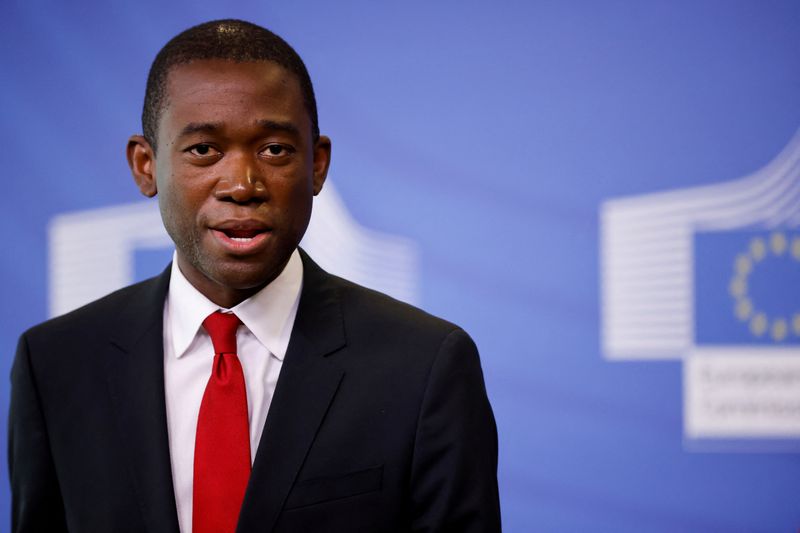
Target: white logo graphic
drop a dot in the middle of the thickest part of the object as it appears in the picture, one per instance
(92, 252)
(737, 390)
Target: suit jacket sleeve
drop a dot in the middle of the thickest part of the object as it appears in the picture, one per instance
(36, 503)
(454, 471)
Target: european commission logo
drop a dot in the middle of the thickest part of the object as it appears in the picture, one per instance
(747, 288)
(711, 275)
(94, 252)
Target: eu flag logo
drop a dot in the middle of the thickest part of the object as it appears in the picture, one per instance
(747, 288)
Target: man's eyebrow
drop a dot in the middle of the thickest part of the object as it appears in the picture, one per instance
(199, 127)
(273, 125)
(212, 127)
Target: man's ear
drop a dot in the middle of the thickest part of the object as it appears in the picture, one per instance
(142, 160)
(322, 160)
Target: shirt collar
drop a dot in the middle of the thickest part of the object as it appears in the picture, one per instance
(269, 314)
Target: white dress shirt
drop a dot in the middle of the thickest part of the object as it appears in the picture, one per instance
(268, 317)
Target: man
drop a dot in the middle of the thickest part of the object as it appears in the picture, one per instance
(245, 388)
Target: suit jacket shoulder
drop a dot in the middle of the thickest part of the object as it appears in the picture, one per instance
(366, 310)
(108, 314)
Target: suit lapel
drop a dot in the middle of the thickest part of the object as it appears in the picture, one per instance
(306, 386)
(136, 382)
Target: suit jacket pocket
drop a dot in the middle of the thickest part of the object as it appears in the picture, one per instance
(323, 489)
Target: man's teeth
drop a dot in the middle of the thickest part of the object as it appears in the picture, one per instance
(241, 239)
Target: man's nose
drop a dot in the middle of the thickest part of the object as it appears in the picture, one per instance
(241, 180)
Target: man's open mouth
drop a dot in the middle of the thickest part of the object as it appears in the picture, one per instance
(242, 235)
(242, 240)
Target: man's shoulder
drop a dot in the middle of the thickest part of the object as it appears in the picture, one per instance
(97, 315)
(369, 311)
(393, 341)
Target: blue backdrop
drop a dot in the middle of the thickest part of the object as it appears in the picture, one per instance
(490, 135)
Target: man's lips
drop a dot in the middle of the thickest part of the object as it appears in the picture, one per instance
(245, 224)
(241, 236)
(241, 233)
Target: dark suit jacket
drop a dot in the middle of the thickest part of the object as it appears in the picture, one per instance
(379, 422)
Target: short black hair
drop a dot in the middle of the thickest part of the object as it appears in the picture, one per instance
(229, 39)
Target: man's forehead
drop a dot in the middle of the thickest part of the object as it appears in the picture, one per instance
(202, 86)
(217, 91)
(218, 71)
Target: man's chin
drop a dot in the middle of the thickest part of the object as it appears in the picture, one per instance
(224, 278)
(251, 271)
(246, 279)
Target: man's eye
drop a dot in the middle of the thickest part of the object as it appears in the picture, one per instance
(203, 150)
(276, 150)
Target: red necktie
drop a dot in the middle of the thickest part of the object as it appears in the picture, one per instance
(222, 444)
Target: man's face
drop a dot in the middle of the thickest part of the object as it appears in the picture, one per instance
(235, 173)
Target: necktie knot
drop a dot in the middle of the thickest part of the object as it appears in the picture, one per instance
(222, 329)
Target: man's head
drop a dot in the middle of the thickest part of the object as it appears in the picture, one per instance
(234, 40)
(239, 157)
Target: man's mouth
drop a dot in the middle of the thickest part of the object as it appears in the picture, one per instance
(242, 235)
(241, 238)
